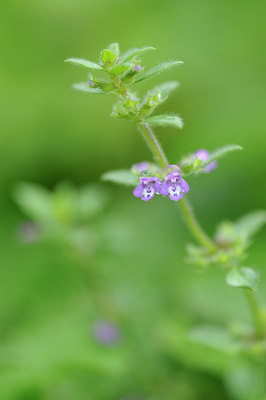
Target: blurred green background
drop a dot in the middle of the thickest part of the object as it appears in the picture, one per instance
(50, 133)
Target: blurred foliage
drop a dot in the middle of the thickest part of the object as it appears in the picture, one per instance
(169, 316)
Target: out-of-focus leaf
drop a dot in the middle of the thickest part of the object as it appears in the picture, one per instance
(34, 200)
(84, 87)
(157, 70)
(91, 200)
(219, 153)
(167, 88)
(165, 120)
(123, 177)
(84, 63)
(114, 48)
(242, 277)
(134, 53)
(214, 337)
(64, 199)
(251, 223)
(245, 381)
(178, 342)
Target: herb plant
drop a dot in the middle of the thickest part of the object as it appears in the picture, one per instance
(117, 74)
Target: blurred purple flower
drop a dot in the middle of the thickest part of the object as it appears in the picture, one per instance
(106, 332)
(174, 185)
(91, 83)
(203, 155)
(147, 188)
(137, 68)
(28, 232)
(142, 166)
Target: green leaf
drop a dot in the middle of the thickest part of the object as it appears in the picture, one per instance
(123, 177)
(107, 57)
(157, 70)
(166, 88)
(242, 277)
(219, 153)
(165, 120)
(250, 223)
(114, 48)
(84, 63)
(84, 87)
(134, 53)
(119, 69)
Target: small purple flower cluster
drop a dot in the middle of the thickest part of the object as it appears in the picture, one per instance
(203, 155)
(174, 185)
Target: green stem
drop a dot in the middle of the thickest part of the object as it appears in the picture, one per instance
(190, 218)
(193, 223)
(256, 313)
(195, 227)
(153, 144)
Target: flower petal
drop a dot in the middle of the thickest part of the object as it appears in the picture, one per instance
(202, 154)
(148, 194)
(176, 196)
(210, 167)
(138, 191)
(184, 186)
(157, 185)
(164, 189)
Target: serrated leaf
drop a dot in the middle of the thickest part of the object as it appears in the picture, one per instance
(165, 120)
(166, 88)
(114, 48)
(84, 87)
(84, 63)
(157, 70)
(219, 153)
(242, 277)
(131, 53)
(123, 177)
(250, 223)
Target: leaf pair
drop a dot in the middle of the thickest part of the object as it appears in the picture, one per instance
(116, 65)
(65, 205)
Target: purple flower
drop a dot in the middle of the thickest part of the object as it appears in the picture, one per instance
(91, 83)
(105, 332)
(203, 155)
(174, 185)
(147, 188)
(28, 232)
(137, 68)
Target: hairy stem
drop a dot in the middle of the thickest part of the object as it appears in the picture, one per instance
(192, 222)
(256, 313)
(153, 144)
(196, 229)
